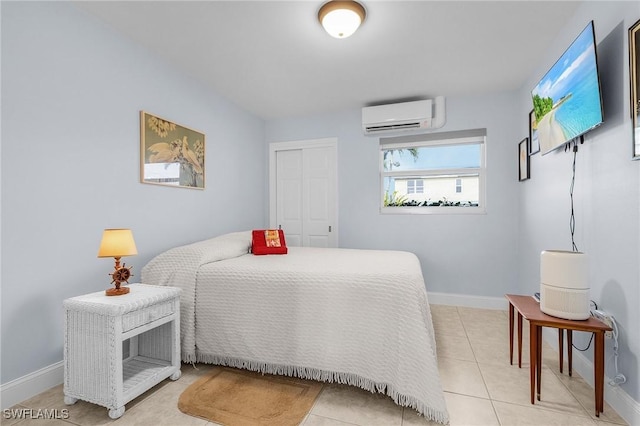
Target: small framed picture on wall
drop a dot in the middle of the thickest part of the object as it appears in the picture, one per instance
(634, 77)
(534, 143)
(523, 160)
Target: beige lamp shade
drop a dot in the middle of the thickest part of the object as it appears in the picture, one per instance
(117, 243)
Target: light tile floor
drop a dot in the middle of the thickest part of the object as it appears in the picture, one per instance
(480, 386)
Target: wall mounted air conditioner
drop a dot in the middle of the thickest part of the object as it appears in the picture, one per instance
(400, 117)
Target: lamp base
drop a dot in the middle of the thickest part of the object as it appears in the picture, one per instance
(116, 291)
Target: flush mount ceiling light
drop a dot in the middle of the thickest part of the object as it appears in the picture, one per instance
(341, 18)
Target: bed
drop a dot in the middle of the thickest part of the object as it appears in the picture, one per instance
(358, 317)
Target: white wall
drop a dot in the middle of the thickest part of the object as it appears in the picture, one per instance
(72, 90)
(454, 250)
(607, 188)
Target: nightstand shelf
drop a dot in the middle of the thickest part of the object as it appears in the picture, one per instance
(116, 348)
(138, 371)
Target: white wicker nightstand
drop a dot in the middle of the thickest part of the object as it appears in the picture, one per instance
(98, 367)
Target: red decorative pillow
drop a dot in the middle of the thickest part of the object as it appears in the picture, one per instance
(268, 241)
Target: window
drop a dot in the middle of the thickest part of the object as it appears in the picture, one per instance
(433, 173)
(415, 186)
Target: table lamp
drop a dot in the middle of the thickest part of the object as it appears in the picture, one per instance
(117, 243)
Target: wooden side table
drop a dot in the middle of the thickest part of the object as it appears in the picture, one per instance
(560, 340)
(529, 308)
(96, 326)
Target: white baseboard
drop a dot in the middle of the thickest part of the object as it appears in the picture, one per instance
(468, 301)
(616, 397)
(30, 385)
(627, 407)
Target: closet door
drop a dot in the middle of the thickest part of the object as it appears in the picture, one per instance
(303, 196)
(289, 191)
(318, 197)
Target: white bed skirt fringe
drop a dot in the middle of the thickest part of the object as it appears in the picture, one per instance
(322, 376)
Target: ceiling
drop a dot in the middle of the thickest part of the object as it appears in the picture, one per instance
(274, 59)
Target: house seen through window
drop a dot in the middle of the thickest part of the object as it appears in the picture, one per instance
(425, 173)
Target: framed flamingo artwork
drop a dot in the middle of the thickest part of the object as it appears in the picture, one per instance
(170, 154)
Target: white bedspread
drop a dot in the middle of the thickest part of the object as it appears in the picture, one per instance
(358, 317)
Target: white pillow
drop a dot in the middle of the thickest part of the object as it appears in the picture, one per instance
(227, 246)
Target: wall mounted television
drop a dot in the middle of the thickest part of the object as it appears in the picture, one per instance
(568, 100)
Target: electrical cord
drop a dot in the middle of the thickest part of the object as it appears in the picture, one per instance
(595, 307)
(619, 378)
(572, 224)
(588, 346)
(572, 219)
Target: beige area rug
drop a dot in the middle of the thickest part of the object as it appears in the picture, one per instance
(243, 398)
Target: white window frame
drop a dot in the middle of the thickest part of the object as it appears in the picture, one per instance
(474, 136)
(415, 186)
(411, 186)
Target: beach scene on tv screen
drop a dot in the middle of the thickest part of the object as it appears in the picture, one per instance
(567, 99)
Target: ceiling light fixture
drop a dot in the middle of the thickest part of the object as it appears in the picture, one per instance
(341, 18)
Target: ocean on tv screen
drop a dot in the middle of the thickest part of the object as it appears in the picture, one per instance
(567, 99)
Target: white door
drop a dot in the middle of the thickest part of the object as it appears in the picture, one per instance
(318, 198)
(289, 186)
(303, 193)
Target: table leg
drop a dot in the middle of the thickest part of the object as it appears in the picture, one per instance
(598, 371)
(519, 340)
(510, 334)
(570, 350)
(560, 347)
(539, 359)
(533, 350)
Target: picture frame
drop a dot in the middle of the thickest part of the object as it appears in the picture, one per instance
(170, 154)
(534, 143)
(524, 171)
(634, 79)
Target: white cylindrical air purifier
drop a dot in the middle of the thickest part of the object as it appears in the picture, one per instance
(564, 286)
